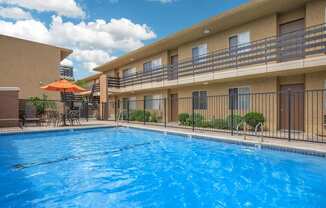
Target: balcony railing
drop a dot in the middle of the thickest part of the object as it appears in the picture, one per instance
(96, 87)
(66, 72)
(289, 46)
(113, 82)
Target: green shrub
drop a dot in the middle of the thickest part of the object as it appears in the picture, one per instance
(154, 118)
(206, 124)
(138, 115)
(42, 104)
(184, 118)
(198, 118)
(254, 118)
(187, 120)
(219, 124)
(237, 119)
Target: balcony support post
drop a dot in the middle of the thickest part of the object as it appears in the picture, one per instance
(103, 95)
(165, 114)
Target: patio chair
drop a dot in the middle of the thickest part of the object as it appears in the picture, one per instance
(73, 117)
(50, 118)
(30, 115)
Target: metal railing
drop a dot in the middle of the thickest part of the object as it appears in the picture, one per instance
(113, 82)
(66, 72)
(290, 115)
(289, 46)
(47, 113)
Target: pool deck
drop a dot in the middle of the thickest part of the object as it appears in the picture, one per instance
(84, 124)
(270, 143)
(309, 148)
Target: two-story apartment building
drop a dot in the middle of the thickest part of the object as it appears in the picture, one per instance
(262, 47)
(28, 65)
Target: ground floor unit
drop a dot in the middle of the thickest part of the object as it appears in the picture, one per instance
(284, 103)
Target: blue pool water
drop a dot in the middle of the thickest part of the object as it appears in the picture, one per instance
(135, 168)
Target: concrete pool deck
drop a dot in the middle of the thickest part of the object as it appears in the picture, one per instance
(303, 147)
(92, 123)
(309, 148)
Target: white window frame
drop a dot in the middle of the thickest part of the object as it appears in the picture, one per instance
(156, 102)
(241, 41)
(132, 71)
(156, 63)
(148, 106)
(202, 51)
(244, 42)
(132, 103)
(200, 107)
(243, 99)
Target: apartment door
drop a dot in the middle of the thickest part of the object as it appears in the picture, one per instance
(173, 69)
(291, 40)
(292, 107)
(174, 107)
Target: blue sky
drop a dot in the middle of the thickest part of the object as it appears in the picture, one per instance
(101, 30)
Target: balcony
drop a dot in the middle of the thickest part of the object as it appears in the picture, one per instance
(66, 72)
(269, 54)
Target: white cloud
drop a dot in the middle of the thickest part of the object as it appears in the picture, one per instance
(67, 62)
(91, 58)
(26, 29)
(118, 34)
(68, 8)
(94, 43)
(14, 13)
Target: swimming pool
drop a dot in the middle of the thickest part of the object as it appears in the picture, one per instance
(121, 167)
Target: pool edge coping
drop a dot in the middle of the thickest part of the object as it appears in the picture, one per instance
(230, 140)
(64, 129)
(198, 135)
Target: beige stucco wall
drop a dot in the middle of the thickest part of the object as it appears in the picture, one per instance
(257, 29)
(292, 15)
(28, 65)
(315, 12)
(315, 102)
(138, 64)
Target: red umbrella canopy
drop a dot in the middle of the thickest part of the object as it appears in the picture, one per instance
(63, 86)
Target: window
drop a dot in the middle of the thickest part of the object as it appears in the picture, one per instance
(199, 100)
(152, 102)
(147, 66)
(244, 42)
(156, 63)
(198, 53)
(152, 65)
(132, 103)
(156, 102)
(239, 43)
(233, 44)
(125, 103)
(129, 72)
(239, 98)
(148, 102)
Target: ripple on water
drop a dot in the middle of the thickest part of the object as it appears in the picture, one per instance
(135, 168)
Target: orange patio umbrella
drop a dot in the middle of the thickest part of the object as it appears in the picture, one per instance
(63, 86)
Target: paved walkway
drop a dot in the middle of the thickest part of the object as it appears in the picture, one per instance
(277, 144)
(31, 127)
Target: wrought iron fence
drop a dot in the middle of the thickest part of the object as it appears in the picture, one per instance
(289, 46)
(45, 112)
(291, 115)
